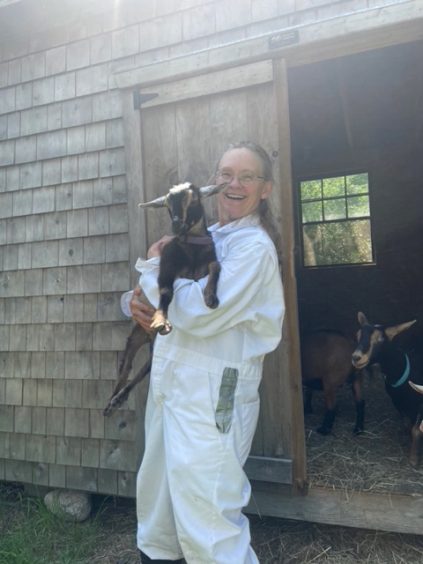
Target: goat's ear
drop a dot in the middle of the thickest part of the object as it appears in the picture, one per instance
(395, 330)
(157, 203)
(362, 319)
(207, 191)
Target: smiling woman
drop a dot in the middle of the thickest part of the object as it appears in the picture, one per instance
(242, 168)
(203, 401)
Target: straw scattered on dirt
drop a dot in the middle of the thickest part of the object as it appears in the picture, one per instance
(376, 460)
(276, 541)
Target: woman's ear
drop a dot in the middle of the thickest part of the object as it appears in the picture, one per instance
(266, 190)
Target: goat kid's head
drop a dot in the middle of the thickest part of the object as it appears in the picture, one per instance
(183, 202)
(371, 338)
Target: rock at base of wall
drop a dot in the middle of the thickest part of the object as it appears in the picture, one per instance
(75, 506)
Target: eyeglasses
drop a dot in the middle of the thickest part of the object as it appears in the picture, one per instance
(245, 179)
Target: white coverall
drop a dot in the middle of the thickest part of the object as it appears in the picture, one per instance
(203, 402)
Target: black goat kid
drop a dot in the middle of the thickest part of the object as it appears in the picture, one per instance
(375, 344)
(190, 254)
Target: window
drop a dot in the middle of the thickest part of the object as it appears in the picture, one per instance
(335, 220)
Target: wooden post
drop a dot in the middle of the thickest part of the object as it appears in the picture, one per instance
(292, 380)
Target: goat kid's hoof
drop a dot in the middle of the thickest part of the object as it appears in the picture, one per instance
(162, 327)
(160, 324)
(211, 301)
(115, 402)
(358, 431)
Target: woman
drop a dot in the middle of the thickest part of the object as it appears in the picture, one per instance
(203, 401)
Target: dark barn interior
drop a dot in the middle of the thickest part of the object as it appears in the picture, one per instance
(364, 113)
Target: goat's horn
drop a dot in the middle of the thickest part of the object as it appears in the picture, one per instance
(212, 189)
(157, 203)
(416, 387)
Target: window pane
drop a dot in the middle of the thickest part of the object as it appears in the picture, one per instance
(358, 206)
(358, 183)
(346, 242)
(334, 209)
(311, 190)
(333, 187)
(312, 211)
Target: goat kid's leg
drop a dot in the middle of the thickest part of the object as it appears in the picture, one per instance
(329, 417)
(357, 389)
(118, 399)
(416, 435)
(137, 338)
(210, 291)
(160, 322)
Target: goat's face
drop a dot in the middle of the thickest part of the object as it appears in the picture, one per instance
(183, 202)
(185, 209)
(372, 338)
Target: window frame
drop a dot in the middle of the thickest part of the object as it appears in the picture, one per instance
(323, 176)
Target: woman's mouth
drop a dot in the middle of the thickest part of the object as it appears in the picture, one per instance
(231, 196)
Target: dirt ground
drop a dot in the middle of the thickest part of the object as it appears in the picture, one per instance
(276, 541)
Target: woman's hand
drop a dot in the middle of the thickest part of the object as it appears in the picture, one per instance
(156, 248)
(142, 313)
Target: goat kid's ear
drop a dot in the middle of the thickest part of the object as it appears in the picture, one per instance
(395, 330)
(362, 319)
(157, 203)
(207, 191)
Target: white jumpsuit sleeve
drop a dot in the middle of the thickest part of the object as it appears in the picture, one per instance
(249, 290)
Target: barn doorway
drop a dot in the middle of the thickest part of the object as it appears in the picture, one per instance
(357, 140)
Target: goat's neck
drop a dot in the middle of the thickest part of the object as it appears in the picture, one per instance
(393, 362)
(199, 229)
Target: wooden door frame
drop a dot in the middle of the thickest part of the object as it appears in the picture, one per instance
(271, 469)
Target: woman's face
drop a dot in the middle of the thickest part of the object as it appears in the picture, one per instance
(242, 170)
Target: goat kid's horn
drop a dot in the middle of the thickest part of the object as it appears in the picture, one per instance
(212, 189)
(157, 203)
(416, 387)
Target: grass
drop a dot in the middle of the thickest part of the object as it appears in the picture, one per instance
(30, 534)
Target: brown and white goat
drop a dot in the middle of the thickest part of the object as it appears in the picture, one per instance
(375, 344)
(190, 254)
(326, 365)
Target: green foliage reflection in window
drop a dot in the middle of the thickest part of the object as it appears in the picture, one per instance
(335, 217)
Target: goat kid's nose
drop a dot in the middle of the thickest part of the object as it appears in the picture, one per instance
(356, 356)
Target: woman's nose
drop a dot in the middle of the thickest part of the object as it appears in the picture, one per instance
(234, 181)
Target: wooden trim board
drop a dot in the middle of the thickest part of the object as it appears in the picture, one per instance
(376, 511)
(242, 76)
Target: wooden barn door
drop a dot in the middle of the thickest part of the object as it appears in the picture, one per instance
(185, 126)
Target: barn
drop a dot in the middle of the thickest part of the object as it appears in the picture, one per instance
(104, 104)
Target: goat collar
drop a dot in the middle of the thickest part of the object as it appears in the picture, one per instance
(201, 240)
(405, 374)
